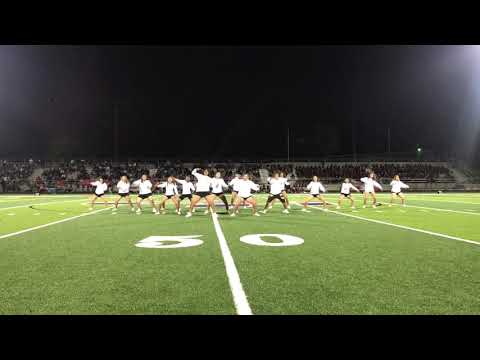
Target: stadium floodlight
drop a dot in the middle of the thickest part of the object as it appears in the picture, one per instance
(419, 149)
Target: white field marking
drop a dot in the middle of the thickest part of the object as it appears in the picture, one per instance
(11, 214)
(239, 297)
(28, 205)
(49, 224)
(36, 214)
(404, 227)
(438, 209)
(62, 213)
(444, 201)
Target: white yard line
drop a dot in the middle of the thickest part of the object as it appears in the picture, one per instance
(50, 224)
(437, 209)
(401, 226)
(239, 297)
(47, 203)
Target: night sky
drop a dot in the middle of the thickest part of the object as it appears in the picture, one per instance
(236, 102)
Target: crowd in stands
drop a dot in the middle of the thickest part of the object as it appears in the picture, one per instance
(406, 171)
(13, 174)
(76, 176)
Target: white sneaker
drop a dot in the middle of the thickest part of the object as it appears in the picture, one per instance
(263, 211)
(288, 207)
(256, 214)
(270, 207)
(189, 214)
(374, 206)
(338, 207)
(285, 211)
(192, 210)
(132, 209)
(179, 212)
(305, 210)
(232, 214)
(206, 212)
(364, 206)
(157, 213)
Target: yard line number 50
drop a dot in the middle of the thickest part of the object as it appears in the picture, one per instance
(183, 241)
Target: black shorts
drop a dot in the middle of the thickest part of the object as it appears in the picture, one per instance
(202, 194)
(98, 195)
(124, 194)
(315, 195)
(169, 196)
(183, 196)
(345, 195)
(246, 198)
(144, 196)
(218, 194)
(277, 196)
(397, 193)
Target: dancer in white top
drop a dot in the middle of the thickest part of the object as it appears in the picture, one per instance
(204, 183)
(285, 185)
(370, 185)
(187, 189)
(171, 193)
(145, 192)
(218, 186)
(234, 184)
(397, 187)
(314, 187)
(100, 188)
(346, 192)
(276, 192)
(123, 188)
(245, 193)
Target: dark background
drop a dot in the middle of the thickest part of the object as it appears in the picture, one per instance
(237, 102)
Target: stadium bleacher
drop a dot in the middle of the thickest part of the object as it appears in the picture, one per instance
(76, 175)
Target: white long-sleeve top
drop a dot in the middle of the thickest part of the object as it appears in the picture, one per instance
(187, 187)
(145, 187)
(100, 188)
(276, 185)
(203, 182)
(245, 188)
(347, 187)
(123, 187)
(370, 184)
(234, 183)
(284, 182)
(315, 187)
(170, 188)
(218, 185)
(397, 186)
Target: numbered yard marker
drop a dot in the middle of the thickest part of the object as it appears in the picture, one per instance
(286, 240)
(165, 242)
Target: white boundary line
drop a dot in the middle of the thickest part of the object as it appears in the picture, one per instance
(239, 297)
(400, 226)
(47, 203)
(437, 209)
(50, 224)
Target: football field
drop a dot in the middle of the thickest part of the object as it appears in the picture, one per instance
(57, 257)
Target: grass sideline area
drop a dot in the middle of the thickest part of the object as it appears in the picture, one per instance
(57, 257)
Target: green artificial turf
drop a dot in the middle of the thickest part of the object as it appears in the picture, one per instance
(87, 263)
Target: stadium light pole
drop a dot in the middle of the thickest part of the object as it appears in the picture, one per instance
(288, 144)
(115, 131)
